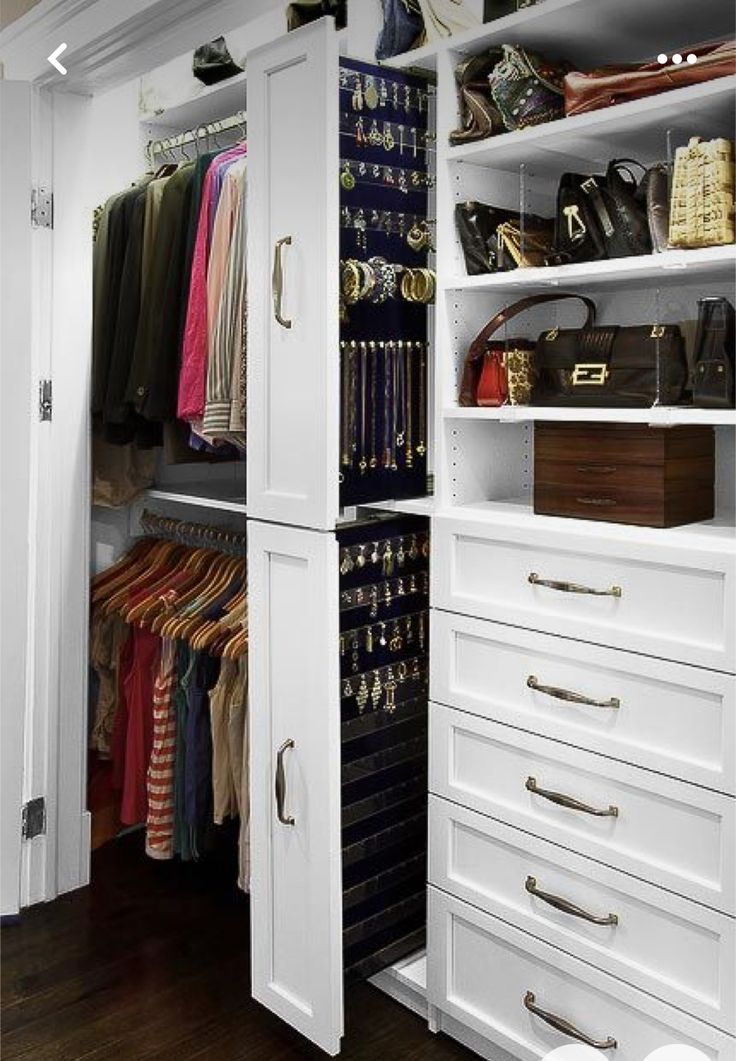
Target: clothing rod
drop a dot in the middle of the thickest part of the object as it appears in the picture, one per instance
(201, 132)
(194, 534)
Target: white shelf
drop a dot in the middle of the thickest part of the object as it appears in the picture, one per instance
(209, 104)
(414, 506)
(635, 130)
(225, 496)
(591, 31)
(713, 534)
(661, 416)
(671, 266)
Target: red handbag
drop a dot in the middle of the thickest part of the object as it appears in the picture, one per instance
(493, 385)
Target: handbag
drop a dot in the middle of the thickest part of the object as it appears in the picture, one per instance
(527, 247)
(445, 18)
(715, 338)
(212, 62)
(631, 366)
(491, 238)
(480, 347)
(306, 11)
(601, 216)
(493, 9)
(617, 84)
(401, 30)
(703, 203)
(479, 118)
(658, 206)
(527, 88)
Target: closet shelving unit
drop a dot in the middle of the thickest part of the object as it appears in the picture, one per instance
(497, 633)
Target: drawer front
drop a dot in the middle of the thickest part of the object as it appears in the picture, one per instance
(673, 834)
(675, 949)
(600, 477)
(676, 719)
(674, 603)
(640, 508)
(481, 970)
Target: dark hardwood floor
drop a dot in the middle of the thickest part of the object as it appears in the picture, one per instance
(152, 962)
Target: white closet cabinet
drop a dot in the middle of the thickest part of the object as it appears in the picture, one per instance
(296, 899)
(293, 254)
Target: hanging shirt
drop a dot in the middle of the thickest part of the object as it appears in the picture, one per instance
(226, 346)
(192, 376)
(160, 776)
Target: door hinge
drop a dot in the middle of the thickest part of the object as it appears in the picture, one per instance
(45, 400)
(33, 822)
(42, 207)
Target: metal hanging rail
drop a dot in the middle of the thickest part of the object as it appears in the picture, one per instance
(193, 534)
(201, 132)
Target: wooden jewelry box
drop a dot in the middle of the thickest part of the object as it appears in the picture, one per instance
(624, 473)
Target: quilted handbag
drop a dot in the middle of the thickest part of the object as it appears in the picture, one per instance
(527, 88)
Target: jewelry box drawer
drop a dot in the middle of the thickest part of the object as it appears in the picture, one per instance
(624, 590)
(676, 719)
(675, 949)
(671, 833)
(508, 986)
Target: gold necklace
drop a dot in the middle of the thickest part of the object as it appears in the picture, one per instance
(409, 458)
(421, 444)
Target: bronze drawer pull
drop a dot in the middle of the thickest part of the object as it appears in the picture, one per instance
(566, 906)
(277, 280)
(569, 801)
(566, 1027)
(597, 469)
(572, 587)
(568, 696)
(601, 502)
(280, 785)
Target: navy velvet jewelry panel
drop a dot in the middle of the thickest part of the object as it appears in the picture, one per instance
(384, 689)
(385, 282)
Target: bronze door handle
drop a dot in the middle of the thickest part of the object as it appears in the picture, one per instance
(566, 906)
(569, 801)
(277, 281)
(280, 785)
(573, 587)
(566, 1026)
(568, 696)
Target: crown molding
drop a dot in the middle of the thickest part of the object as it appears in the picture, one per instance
(109, 42)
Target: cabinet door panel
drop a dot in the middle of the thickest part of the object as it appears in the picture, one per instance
(293, 371)
(296, 915)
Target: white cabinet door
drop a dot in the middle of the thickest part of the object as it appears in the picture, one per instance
(293, 261)
(15, 419)
(296, 911)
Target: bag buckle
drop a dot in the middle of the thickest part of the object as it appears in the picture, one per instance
(657, 331)
(572, 213)
(551, 335)
(593, 374)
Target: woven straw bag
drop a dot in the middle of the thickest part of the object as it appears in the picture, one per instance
(703, 204)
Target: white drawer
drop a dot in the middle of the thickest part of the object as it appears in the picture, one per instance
(480, 970)
(676, 719)
(670, 833)
(675, 602)
(678, 950)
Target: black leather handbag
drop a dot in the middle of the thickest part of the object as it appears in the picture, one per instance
(608, 366)
(212, 62)
(487, 236)
(498, 8)
(306, 11)
(602, 216)
(715, 339)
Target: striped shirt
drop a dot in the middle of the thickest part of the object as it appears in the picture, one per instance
(160, 777)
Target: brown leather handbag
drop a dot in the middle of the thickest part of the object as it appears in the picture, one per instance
(481, 349)
(618, 84)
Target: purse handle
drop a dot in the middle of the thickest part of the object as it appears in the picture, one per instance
(478, 345)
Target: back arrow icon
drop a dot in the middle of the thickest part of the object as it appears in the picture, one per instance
(54, 58)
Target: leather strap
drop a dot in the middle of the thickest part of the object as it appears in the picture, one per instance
(591, 189)
(478, 345)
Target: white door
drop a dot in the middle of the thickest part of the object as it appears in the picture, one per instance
(296, 882)
(293, 255)
(16, 412)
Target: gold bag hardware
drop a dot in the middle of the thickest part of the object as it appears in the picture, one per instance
(594, 374)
